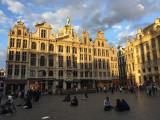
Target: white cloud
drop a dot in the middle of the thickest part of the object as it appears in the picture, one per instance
(117, 27)
(128, 27)
(3, 55)
(140, 6)
(14, 6)
(3, 31)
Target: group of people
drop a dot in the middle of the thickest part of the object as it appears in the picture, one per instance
(121, 105)
(151, 89)
(74, 102)
(25, 102)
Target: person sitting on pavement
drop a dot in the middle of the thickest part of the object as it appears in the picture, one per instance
(107, 104)
(119, 105)
(74, 102)
(67, 98)
(85, 97)
(27, 104)
(125, 105)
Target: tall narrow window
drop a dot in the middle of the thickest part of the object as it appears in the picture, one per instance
(12, 41)
(33, 45)
(18, 43)
(43, 33)
(51, 47)
(19, 32)
(68, 61)
(85, 41)
(99, 63)
(11, 55)
(98, 43)
(99, 52)
(153, 43)
(60, 60)
(102, 44)
(24, 55)
(50, 60)
(68, 49)
(60, 48)
(81, 65)
(10, 67)
(81, 56)
(104, 65)
(33, 59)
(95, 63)
(75, 62)
(42, 61)
(24, 43)
(17, 56)
(16, 72)
(154, 55)
(148, 57)
(42, 46)
(23, 71)
(74, 50)
(95, 52)
(60, 72)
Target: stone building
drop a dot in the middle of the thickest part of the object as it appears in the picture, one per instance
(122, 65)
(143, 56)
(2, 78)
(46, 61)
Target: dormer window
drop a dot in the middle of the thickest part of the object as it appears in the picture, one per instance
(19, 32)
(98, 43)
(43, 33)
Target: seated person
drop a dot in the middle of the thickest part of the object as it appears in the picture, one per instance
(74, 102)
(125, 105)
(68, 98)
(27, 104)
(85, 97)
(107, 104)
(65, 99)
(119, 105)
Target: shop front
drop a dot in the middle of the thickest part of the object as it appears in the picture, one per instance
(13, 86)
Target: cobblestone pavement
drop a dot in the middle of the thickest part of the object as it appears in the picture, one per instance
(142, 108)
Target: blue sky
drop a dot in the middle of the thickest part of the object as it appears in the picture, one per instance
(117, 18)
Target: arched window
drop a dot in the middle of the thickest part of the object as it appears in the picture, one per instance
(19, 32)
(50, 73)
(42, 46)
(51, 47)
(33, 45)
(42, 61)
(32, 73)
(42, 73)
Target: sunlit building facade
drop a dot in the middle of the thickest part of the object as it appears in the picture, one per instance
(142, 56)
(47, 62)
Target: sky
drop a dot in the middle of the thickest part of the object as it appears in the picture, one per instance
(117, 18)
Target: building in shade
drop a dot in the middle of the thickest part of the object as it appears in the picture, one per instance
(45, 61)
(142, 56)
(2, 78)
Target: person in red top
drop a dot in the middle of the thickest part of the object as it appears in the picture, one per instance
(126, 89)
(140, 88)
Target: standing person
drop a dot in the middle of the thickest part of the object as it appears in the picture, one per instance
(107, 104)
(104, 89)
(150, 90)
(154, 90)
(112, 89)
(120, 89)
(135, 89)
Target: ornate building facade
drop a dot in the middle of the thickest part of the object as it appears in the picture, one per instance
(46, 61)
(143, 56)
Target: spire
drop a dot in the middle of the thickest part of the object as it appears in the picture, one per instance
(100, 29)
(20, 19)
(156, 17)
(43, 20)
